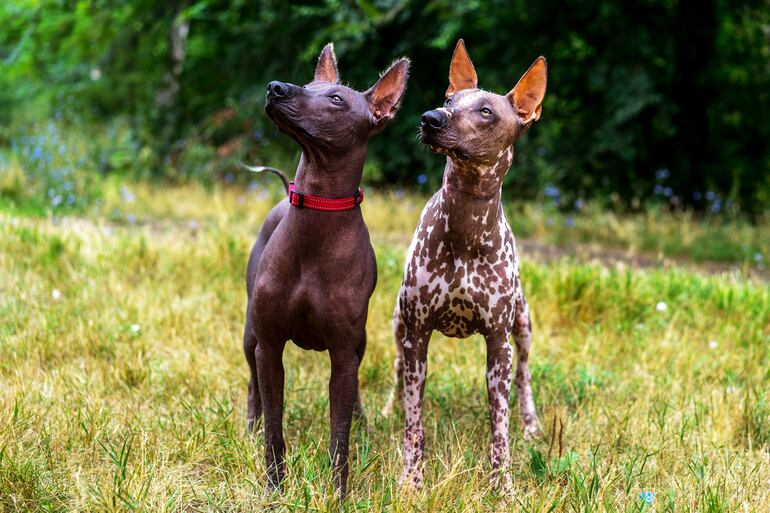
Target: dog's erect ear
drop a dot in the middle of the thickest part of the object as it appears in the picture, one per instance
(385, 95)
(326, 70)
(527, 96)
(462, 74)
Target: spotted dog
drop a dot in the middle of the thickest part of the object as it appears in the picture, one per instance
(462, 275)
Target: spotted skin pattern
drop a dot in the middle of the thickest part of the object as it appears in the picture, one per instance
(461, 274)
(462, 278)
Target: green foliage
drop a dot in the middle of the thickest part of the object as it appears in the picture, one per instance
(647, 100)
(555, 468)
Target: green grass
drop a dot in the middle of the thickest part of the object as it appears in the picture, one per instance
(125, 390)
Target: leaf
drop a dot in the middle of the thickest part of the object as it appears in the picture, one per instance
(537, 464)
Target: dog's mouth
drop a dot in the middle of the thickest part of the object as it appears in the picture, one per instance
(283, 113)
(454, 153)
(438, 145)
(274, 105)
(429, 139)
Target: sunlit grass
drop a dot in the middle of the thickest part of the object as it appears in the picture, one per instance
(123, 385)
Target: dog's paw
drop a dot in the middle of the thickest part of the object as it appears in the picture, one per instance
(273, 488)
(387, 410)
(253, 425)
(411, 480)
(390, 405)
(532, 432)
(501, 482)
(362, 428)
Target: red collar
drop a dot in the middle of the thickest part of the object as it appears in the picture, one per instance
(300, 200)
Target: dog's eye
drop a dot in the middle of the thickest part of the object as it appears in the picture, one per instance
(336, 98)
(486, 112)
(448, 101)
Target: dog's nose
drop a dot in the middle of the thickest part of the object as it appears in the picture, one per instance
(277, 88)
(434, 119)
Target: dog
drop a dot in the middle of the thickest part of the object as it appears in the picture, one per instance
(461, 274)
(312, 269)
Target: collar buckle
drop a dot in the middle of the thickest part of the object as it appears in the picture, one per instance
(300, 201)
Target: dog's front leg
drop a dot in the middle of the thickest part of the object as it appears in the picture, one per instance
(415, 365)
(343, 396)
(499, 377)
(269, 358)
(522, 335)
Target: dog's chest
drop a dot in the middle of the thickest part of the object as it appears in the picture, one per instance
(314, 291)
(460, 285)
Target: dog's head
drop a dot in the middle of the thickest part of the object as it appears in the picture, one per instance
(328, 116)
(476, 126)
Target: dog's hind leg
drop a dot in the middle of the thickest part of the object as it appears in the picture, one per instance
(358, 407)
(396, 391)
(254, 402)
(499, 377)
(522, 335)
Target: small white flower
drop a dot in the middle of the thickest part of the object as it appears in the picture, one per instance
(661, 306)
(135, 328)
(640, 326)
(731, 389)
(95, 74)
(126, 194)
(56, 294)
(713, 344)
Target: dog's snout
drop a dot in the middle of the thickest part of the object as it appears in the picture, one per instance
(278, 89)
(434, 119)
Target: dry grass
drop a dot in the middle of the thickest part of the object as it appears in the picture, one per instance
(125, 390)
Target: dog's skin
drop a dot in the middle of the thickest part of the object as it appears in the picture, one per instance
(461, 274)
(311, 273)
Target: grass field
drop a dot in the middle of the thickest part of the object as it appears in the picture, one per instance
(123, 384)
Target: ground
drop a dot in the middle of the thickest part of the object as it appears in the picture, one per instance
(123, 384)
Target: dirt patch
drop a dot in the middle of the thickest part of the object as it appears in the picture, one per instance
(607, 255)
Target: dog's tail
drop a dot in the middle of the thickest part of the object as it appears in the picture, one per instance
(261, 169)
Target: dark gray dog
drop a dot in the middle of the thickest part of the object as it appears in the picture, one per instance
(462, 275)
(312, 269)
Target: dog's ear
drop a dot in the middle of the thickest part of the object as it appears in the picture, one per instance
(384, 96)
(326, 70)
(527, 96)
(462, 74)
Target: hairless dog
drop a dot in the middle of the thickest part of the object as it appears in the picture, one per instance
(312, 269)
(461, 274)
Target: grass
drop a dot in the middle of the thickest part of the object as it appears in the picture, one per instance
(680, 235)
(123, 385)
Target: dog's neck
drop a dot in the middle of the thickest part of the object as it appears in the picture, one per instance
(470, 199)
(330, 176)
(482, 179)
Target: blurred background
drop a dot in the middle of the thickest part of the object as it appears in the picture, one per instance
(650, 102)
